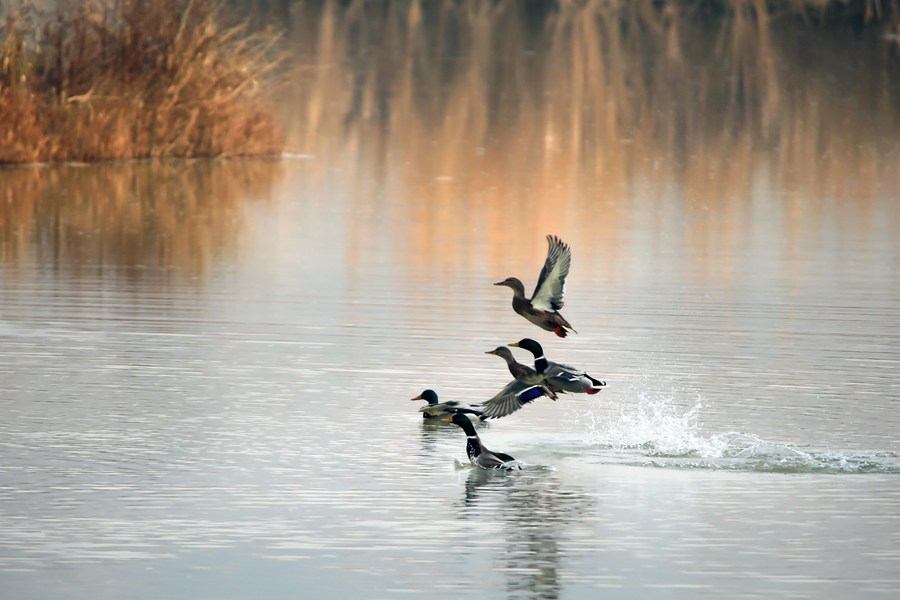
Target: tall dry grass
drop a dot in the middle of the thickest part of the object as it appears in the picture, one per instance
(104, 79)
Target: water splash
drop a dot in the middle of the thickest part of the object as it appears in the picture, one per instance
(657, 424)
(658, 431)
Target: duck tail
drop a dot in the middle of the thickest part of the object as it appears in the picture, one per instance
(596, 385)
(596, 382)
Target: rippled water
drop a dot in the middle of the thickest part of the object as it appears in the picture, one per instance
(205, 369)
(247, 430)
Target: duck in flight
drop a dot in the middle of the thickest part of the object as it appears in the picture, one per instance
(527, 386)
(542, 308)
(440, 410)
(557, 376)
(477, 453)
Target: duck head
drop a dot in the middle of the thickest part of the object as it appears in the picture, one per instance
(501, 351)
(462, 421)
(530, 345)
(516, 285)
(428, 395)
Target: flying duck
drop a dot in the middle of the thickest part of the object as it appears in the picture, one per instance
(436, 410)
(477, 453)
(557, 376)
(543, 307)
(527, 386)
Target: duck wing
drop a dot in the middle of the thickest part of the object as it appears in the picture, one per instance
(503, 457)
(455, 406)
(511, 398)
(451, 407)
(556, 367)
(571, 379)
(496, 460)
(551, 283)
(563, 371)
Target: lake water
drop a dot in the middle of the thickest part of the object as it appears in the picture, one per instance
(206, 366)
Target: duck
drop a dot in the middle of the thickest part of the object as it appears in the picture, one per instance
(542, 308)
(521, 372)
(557, 376)
(476, 451)
(528, 385)
(440, 410)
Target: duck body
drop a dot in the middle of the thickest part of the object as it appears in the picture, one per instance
(560, 376)
(437, 411)
(548, 320)
(478, 454)
(542, 308)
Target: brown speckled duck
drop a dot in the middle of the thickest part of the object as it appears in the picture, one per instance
(527, 386)
(542, 308)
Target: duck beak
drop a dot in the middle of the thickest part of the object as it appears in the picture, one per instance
(491, 352)
(500, 283)
(514, 344)
(447, 420)
(419, 397)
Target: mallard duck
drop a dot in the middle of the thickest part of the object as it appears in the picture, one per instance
(527, 386)
(543, 307)
(477, 453)
(521, 372)
(557, 376)
(441, 410)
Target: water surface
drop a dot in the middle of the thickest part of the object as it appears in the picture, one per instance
(205, 366)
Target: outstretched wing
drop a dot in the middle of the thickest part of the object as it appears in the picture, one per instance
(564, 375)
(511, 398)
(551, 283)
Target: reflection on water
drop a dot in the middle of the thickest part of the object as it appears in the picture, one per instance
(533, 513)
(587, 103)
(129, 217)
(205, 366)
(489, 118)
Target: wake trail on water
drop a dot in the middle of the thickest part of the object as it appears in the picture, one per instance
(657, 431)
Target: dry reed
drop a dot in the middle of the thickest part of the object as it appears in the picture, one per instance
(112, 79)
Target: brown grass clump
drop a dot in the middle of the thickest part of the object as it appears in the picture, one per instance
(131, 79)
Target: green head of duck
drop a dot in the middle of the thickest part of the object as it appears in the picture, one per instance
(429, 396)
(463, 421)
(530, 345)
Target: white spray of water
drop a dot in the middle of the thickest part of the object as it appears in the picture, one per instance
(654, 422)
(660, 428)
